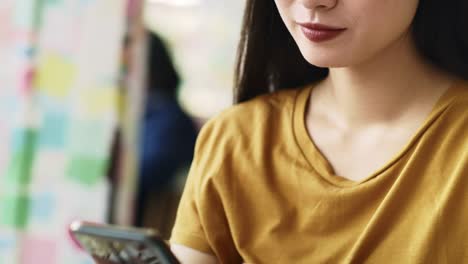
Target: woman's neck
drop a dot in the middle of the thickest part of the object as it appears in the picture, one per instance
(384, 88)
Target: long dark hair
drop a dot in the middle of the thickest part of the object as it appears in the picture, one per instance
(269, 60)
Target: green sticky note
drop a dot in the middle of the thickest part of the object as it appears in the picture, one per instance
(23, 150)
(53, 2)
(14, 211)
(86, 170)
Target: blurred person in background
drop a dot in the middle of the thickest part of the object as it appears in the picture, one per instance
(167, 134)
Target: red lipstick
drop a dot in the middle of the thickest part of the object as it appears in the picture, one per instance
(318, 32)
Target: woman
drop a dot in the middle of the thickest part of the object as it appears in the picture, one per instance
(363, 160)
(367, 161)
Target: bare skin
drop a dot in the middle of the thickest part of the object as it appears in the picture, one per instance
(188, 255)
(361, 117)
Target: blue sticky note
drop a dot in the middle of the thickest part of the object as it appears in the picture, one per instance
(8, 244)
(42, 207)
(53, 131)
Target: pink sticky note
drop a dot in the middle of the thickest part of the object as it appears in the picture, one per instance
(38, 250)
(27, 83)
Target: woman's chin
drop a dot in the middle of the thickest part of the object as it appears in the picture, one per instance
(327, 62)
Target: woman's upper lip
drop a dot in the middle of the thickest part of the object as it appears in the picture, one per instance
(317, 26)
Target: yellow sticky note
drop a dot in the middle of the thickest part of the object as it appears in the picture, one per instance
(99, 101)
(55, 75)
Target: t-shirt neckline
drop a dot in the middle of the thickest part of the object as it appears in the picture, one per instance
(319, 162)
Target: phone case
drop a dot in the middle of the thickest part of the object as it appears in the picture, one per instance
(121, 244)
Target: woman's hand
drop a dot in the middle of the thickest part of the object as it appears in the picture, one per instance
(185, 255)
(102, 261)
(188, 255)
(105, 261)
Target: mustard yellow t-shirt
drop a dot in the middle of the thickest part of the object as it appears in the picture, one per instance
(259, 191)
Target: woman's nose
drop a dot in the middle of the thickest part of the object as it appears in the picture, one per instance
(319, 4)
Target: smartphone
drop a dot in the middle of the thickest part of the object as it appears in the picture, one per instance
(122, 245)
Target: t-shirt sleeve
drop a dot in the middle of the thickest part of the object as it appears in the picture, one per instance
(202, 222)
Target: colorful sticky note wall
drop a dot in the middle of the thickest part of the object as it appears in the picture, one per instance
(58, 105)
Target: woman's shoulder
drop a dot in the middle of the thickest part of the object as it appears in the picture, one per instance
(461, 90)
(458, 107)
(245, 122)
(259, 109)
(453, 121)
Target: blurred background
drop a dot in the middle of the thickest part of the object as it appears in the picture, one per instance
(100, 105)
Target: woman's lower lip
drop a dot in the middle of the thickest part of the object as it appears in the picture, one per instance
(321, 35)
